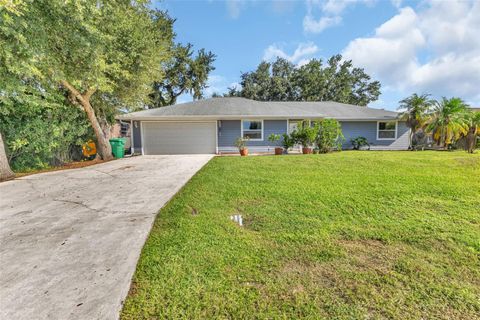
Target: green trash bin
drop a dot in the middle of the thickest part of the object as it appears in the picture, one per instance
(118, 147)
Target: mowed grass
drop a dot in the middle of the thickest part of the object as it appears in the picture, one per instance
(345, 235)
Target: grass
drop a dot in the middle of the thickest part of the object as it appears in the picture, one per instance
(346, 235)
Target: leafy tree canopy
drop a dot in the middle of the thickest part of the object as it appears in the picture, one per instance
(337, 80)
(415, 112)
(106, 55)
(183, 73)
(448, 121)
(41, 128)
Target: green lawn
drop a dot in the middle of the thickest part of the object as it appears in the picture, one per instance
(346, 235)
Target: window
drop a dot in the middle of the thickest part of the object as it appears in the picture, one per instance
(252, 129)
(387, 130)
(295, 124)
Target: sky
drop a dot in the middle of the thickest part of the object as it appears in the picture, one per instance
(409, 46)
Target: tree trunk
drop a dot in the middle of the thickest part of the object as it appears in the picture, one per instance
(471, 139)
(5, 172)
(410, 139)
(104, 148)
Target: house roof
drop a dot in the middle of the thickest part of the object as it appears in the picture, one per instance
(235, 108)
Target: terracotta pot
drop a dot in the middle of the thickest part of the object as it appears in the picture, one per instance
(306, 150)
(278, 151)
(244, 152)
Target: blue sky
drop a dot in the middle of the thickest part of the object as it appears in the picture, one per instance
(410, 46)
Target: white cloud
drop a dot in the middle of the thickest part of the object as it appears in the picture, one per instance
(219, 84)
(283, 6)
(331, 13)
(392, 51)
(317, 26)
(301, 53)
(216, 84)
(234, 7)
(337, 6)
(432, 50)
(396, 3)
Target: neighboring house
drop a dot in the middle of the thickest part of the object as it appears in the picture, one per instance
(213, 125)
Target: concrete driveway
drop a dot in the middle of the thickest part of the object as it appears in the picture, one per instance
(70, 240)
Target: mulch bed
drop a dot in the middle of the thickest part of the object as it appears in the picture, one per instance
(66, 166)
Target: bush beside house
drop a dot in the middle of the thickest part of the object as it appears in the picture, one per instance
(323, 137)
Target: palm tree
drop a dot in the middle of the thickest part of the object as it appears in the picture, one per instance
(448, 123)
(473, 123)
(415, 113)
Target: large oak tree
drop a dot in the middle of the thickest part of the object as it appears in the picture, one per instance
(184, 73)
(105, 54)
(336, 80)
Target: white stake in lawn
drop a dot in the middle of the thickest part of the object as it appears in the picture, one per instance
(237, 218)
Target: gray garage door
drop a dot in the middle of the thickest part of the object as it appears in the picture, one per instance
(179, 137)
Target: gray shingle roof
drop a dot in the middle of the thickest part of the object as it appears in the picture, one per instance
(235, 108)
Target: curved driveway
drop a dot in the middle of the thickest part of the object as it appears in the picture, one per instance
(70, 240)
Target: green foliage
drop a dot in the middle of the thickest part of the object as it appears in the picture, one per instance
(105, 54)
(329, 135)
(282, 81)
(183, 73)
(241, 143)
(41, 129)
(273, 137)
(359, 142)
(288, 141)
(472, 136)
(416, 113)
(305, 135)
(448, 122)
(116, 47)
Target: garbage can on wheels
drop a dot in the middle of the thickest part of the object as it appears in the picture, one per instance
(118, 147)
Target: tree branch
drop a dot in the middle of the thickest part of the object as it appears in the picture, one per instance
(75, 93)
(89, 93)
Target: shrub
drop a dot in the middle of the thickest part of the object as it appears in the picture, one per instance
(305, 135)
(329, 135)
(273, 138)
(359, 142)
(287, 141)
(41, 129)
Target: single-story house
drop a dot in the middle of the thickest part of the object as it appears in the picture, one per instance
(213, 125)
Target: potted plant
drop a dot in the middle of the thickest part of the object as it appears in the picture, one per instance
(288, 142)
(273, 138)
(305, 136)
(241, 144)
